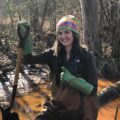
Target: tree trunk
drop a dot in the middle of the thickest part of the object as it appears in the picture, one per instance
(116, 34)
(34, 16)
(90, 24)
(43, 16)
(53, 16)
(116, 31)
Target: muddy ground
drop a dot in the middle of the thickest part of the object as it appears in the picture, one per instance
(28, 106)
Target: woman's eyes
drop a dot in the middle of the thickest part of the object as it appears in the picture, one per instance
(59, 33)
(66, 32)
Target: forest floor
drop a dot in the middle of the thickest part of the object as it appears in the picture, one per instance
(32, 104)
(33, 91)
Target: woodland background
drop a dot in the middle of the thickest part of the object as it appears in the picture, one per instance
(99, 22)
(99, 27)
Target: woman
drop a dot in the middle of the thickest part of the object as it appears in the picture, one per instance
(73, 75)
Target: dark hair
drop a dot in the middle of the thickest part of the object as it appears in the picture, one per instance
(60, 52)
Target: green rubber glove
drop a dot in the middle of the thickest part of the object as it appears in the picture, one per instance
(77, 83)
(25, 37)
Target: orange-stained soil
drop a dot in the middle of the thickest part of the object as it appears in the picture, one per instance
(108, 111)
(31, 105)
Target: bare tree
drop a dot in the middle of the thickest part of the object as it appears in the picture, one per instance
(90, 20)
(116, 30)
(34, 20)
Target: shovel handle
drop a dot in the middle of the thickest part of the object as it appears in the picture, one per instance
(18, 66)
(1, 114)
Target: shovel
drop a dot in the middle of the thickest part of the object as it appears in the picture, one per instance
(6, 114)
(23, 31)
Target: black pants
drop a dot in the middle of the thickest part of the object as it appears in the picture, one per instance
(57, 111)
(73, 115)
(68, 115)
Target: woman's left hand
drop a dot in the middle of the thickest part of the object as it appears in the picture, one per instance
(65, 76)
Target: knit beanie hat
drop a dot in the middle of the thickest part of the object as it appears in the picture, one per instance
(68, 22)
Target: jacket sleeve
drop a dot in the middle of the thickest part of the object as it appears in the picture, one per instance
(42, 58)
(91, 72)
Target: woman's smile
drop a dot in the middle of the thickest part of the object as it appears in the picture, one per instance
(65, 40)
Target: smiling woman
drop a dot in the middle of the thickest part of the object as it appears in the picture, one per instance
(73, 73)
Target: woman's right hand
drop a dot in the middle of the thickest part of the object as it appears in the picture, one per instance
(24, 37)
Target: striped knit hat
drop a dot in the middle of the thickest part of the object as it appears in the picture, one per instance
(68, 22)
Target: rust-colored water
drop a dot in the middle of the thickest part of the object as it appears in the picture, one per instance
(108, 111)
(31, 105)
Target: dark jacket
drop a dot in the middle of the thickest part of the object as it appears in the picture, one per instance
(82, 65)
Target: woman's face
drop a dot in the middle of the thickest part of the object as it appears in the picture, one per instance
(65, 37)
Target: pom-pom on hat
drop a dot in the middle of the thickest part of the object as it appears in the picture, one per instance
(68, 22)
